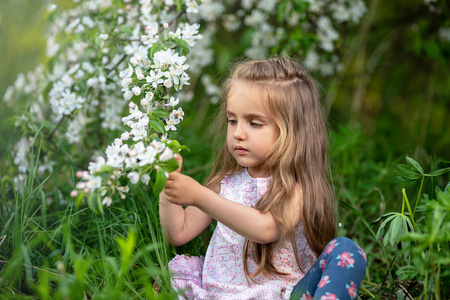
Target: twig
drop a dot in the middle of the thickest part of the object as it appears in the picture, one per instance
(175, 19)
(116, 65)
(159, 31)
(389, 270)
(405, 291)
(50, 136)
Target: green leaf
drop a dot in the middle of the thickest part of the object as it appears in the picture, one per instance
(407, 172)
(160, 182)
(95, 203)
(126, 247)
(414, 164)
(381, 229)
(185, 148)
(443, 199)
(79, 200)
(432, 49)
(155, 48)
(447, 188)
(171, 135)
(183, 44)
(169, 166)
(382, 217)
(393, 229)
(106, 169)
(159, 112)
(157, 125)
(403, 179)
(281, 8)
(438, 172)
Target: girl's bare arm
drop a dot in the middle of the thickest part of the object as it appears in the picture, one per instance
(246, 221)
(181, 225)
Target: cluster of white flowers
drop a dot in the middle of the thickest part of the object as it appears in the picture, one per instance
(21, 157)
(322, 18)
(121, 157)
(211, 89)
(24, 85)
(106, 55)
(149, 78)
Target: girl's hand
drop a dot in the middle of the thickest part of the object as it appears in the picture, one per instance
(181, 189)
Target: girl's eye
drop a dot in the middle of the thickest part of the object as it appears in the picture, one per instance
(256, 125)
(231, 122)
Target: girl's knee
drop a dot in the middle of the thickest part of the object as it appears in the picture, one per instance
(343, 244)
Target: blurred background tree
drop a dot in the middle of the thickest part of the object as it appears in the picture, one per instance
(394, 80)
(390, 99)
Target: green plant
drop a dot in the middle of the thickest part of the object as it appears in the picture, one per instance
(423, 240)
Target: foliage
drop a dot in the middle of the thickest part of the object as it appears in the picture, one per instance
(53, 246)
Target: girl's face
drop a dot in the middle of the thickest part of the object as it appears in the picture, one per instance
(251, 130)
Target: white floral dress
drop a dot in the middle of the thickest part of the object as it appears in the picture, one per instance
(220, 274)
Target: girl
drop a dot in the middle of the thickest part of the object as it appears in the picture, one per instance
(270, 195)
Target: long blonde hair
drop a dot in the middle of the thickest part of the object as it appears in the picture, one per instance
(299, 156)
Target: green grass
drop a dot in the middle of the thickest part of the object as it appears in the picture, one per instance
(51, 249)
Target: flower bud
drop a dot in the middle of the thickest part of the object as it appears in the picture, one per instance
(81, 185)
(73, 193)
(125, 136)
(166, 25)
(136, 90)
(80, 174)
(133, 61)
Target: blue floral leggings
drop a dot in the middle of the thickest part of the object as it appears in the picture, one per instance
(336, 275)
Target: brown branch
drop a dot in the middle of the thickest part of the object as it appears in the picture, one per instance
(116, 65)
(174, 20)
(50, 136)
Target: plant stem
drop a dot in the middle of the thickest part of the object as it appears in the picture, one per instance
(367, 292)
(403, 203)
(405, 199)
(418, 195)
(425, 286)
(433, 267)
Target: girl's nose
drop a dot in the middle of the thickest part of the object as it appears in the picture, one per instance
(239, 133)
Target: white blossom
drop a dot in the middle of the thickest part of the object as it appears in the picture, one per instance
(134, 177)
(145, 178)
(173, 101)
(166, 155)
(136, 90)
(107, 201)
(94, 183)
(171, 123)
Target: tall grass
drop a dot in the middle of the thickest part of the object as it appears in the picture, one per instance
(71, 253)
(52, 249)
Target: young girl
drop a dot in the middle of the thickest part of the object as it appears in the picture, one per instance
(270, 195)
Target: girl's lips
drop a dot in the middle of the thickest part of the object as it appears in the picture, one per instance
(240, 150)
